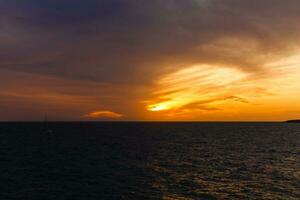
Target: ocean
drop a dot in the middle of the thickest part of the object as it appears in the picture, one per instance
(149, 160)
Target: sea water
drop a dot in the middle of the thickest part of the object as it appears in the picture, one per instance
(135, 160)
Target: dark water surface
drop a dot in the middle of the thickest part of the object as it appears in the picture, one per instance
(149, 161)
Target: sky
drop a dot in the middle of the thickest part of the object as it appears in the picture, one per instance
(198, 60)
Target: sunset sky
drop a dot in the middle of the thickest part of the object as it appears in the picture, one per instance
(206, 60)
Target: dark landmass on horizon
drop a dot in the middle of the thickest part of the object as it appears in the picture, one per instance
(293, 121)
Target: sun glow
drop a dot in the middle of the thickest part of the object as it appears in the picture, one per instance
(214, 92)
(196, 83)
(158, 107)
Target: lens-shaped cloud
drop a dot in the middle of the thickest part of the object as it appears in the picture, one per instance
(103, 114)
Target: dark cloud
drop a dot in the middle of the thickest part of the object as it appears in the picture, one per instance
(99, 40)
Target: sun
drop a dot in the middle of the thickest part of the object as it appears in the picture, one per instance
(157, 107)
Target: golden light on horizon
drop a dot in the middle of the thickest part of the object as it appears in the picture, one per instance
(224, 91)
(157, 107)
(195, 83)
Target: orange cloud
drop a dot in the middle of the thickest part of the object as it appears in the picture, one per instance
(211, 92)
(195, 84)
(103, 114)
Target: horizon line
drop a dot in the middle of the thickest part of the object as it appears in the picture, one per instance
(145, 121)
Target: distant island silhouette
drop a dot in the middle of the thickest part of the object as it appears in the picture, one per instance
(293, 121)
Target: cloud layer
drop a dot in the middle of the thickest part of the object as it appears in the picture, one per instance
(113, 44)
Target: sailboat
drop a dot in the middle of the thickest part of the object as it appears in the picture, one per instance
(46, 129)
